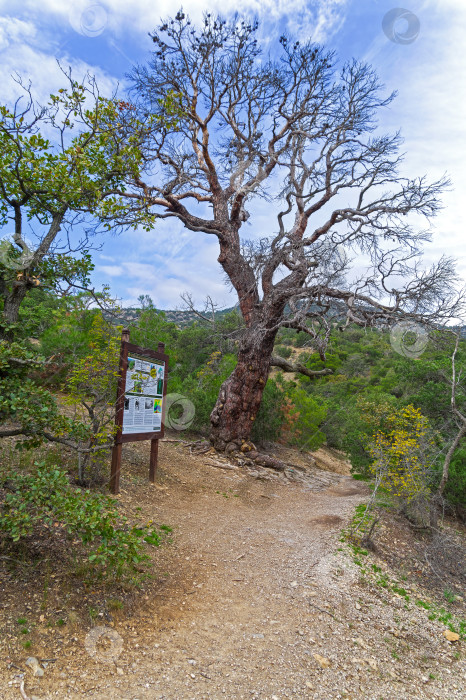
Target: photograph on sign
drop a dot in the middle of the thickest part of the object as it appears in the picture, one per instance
(143, 396)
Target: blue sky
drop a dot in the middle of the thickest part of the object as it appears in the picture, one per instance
(107, 37)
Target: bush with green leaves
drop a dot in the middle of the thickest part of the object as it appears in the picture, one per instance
(202, 387)
(43, 501)
(272, 416)
(305, 414)
(38, 312)
(152, 328)
(27, 409)
(31, 412)
(283, 351)
(287, 412)
(91, 387)
(67, 339)
(455, 490)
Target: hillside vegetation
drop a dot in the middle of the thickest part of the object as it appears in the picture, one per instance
(389, 413)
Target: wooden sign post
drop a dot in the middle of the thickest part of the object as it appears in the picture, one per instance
(140, 403)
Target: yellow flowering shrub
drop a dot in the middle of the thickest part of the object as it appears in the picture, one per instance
(402, 453)
(211, 367)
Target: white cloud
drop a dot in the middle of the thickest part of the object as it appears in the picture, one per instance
(13, 30)
(317, 21)
(316, 18)
(165, 283)
(110, 270)
(429, 77)
(22, 54)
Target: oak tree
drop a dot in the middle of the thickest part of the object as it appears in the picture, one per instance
(60, 168)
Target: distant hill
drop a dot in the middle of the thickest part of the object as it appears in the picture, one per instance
(182, 318)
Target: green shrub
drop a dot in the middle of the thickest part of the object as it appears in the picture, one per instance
(203, 388)
(23, 401)
(271, 415)
(43, 500)
(284, 351)
(455, 489)
(303, 416)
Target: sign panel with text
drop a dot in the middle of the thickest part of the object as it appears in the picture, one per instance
(143, 395)
(140, 404)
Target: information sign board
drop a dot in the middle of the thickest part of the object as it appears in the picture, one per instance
(140, 404)
(143, 395)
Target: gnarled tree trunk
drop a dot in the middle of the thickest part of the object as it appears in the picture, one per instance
(12, 300)
(241, 394)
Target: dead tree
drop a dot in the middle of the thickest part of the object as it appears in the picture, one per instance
(459, 417)
(300, 135)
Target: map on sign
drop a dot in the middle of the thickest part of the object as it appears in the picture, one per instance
(143, 395)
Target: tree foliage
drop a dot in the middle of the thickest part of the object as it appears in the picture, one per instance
(90, 386)
(61, 167)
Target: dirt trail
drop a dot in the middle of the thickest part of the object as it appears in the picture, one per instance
(253, 600)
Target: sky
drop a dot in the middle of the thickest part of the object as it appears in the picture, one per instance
(417, 50)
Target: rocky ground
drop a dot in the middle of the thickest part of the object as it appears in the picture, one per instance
(256, 597)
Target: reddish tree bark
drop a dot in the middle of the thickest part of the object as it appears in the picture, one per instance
(295, 132)
(241, 394)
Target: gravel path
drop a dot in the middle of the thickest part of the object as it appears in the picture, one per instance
(257, 602)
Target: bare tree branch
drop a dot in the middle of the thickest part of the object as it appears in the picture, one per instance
(298, 134)
(297, 367)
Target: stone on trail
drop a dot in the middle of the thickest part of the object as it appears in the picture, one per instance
(322, 660)
(451, 636)
(35, 666)
(362, 643)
